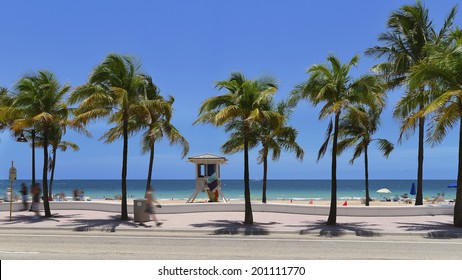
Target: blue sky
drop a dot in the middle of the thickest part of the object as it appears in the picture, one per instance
(186, 46)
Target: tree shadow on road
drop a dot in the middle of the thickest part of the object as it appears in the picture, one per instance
(434, 230)
(359, 229)
(227, 227)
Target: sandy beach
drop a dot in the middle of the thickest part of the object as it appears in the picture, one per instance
(341, 203)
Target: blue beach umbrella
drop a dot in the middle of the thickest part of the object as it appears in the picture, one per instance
(413, 192)
(453, 185)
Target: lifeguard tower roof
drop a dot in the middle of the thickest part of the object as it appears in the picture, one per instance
(207, 158)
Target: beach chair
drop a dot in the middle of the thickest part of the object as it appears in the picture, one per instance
(438, 198)
(407, 201)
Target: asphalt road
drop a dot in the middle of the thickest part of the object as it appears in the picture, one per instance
(17, 244)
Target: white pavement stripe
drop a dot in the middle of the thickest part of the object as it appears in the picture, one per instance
(235, 239)
(16, 252)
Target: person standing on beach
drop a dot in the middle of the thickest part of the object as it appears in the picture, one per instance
(35, 192)
(150, 205)
(24, 193)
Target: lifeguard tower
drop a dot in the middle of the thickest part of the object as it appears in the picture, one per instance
(208, 176)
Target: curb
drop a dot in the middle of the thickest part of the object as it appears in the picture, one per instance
(242, 232)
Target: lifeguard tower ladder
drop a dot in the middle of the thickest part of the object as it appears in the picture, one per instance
(208, 176)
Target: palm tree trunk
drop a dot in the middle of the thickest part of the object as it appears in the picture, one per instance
(419, 193)
(265, 174)
(53, 164)
(46, 203)
(458, 205)
(33, 156)
(366, 174)
(332, 220)
(151, 163)
(33, 160)
(124, 213)
(248, 220)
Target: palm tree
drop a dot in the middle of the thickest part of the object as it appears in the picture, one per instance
(157, 114)
(276, 139)
(5, 101)
(114, 91)
(57, 130)
(273, 138)
(333, 85)
(357, 128)
(39, 104)
(57, 143)
(404, 46)
(445, 67)
(240, 108)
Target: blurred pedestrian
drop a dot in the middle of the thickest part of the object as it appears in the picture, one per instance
(24, 195)
(35, 192)
(150, 205)
(76, 195)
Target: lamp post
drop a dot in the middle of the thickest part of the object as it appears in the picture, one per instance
(13, 174)
(23, 139)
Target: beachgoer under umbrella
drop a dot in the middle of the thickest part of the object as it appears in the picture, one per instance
(150, 205)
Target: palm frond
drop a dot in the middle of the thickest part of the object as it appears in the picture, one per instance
(324, 146)
(359, 149)
(385, 146)
(445, 120)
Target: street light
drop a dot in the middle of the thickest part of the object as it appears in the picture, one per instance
(23, 139)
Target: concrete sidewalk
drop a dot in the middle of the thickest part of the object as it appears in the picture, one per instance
(265, 223)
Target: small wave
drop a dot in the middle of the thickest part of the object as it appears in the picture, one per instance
(303, 198)
(349, 198)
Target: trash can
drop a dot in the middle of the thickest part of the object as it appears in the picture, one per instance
(139, 211)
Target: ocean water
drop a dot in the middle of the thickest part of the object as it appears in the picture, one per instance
(234, 189)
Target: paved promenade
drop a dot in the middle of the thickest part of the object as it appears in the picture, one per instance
(265, 223)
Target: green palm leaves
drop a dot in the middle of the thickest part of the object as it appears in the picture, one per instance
(113, 91)
(357, 128)
(119, 91)
(240, 109)
(39, 105)
(274, 139)
(40, 100)
(444, 66)
(333, 86)
(154, 118)
(5, 101)
(406, 45)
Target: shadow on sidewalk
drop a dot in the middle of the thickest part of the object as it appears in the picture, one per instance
(108, 224)
(434, 230)
(227, 227)
(30, 219)
(360, 229)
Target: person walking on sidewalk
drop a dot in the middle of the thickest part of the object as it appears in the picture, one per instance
(150, 205)
(24, 197)
(35, 192)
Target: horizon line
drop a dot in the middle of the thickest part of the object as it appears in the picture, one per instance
(275, 179)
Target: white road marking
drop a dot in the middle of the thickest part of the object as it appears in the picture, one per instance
(17, 252)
